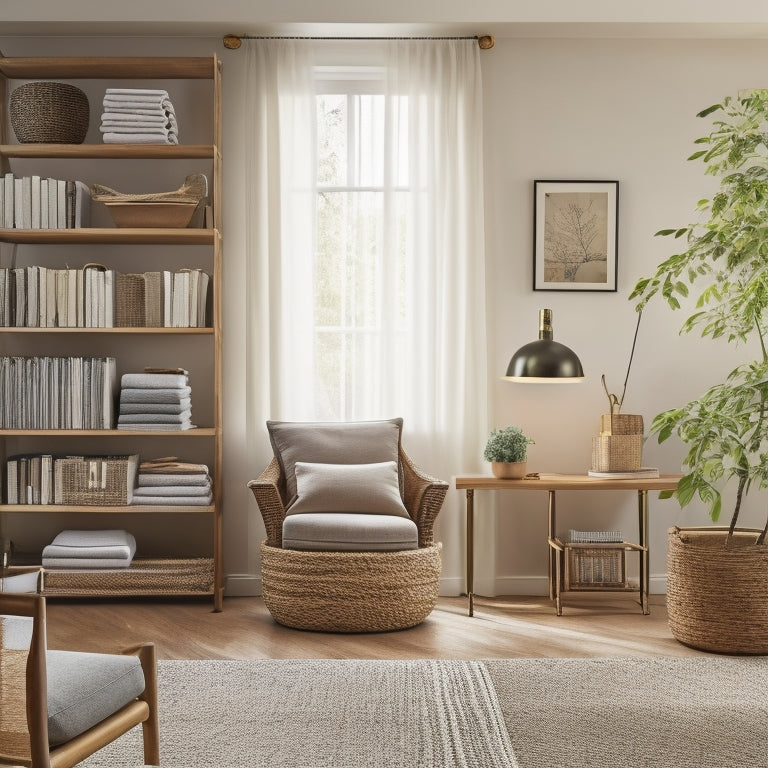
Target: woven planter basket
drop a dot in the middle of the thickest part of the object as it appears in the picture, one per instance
(350, 591)
(717, 598)
(49, 113)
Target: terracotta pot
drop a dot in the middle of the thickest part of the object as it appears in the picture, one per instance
(508, 470)
(716, 597)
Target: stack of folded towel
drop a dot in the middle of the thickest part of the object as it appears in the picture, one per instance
(90, 549)
(156, 401)
(138, 116)
(170, 481)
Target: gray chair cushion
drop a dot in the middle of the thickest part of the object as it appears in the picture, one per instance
(85, 688)
(351, 442)
(349, 532)
(372, 489)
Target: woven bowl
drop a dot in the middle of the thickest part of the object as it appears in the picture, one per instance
(49, 113)
(162, 215)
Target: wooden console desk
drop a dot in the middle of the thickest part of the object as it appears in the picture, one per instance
(553, 483)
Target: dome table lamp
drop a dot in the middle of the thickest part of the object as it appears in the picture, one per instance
(545, 360)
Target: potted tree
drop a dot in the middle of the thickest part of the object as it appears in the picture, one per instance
(716, 582)
(507, 450)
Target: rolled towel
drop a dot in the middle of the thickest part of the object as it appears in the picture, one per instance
(140, 138)
(112, 103)
(150, 480)
(142, 395)
(175, 501)
(184, 404)
(164, 111)
(172, 490)
(133, 117)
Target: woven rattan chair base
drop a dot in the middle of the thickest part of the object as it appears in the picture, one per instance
(716, 597)
(350, 591)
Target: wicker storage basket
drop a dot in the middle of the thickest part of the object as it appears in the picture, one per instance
(49, 113)
(90, 480)
(129, 301)
(350, 591)
(617, 453)
(160, 576)
(590, 567)
(716, 597)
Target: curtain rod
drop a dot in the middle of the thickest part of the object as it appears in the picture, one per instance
(233, 42)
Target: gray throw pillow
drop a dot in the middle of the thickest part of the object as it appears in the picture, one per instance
(350, 442)
(362, 488)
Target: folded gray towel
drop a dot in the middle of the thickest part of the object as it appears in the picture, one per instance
(183, 405)
(98, 538)
(140, 395)
(180, 501)
(139, 138)
(154, 480)
(154, 380)
(172, 490)
(155, 418)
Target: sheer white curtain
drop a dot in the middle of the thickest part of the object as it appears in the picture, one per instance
(419, 350)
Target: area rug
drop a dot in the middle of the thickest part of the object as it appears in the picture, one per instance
(701, 712)
(317, 713)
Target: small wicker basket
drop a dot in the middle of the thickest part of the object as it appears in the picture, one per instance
(49, 113)
(96, 480)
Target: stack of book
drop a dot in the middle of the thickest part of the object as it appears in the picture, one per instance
(97, 297)
(34, 202)
(57, 392)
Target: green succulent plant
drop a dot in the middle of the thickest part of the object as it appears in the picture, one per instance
(725, 259)
(508, 445)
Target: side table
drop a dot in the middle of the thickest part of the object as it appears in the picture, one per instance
(553, 483)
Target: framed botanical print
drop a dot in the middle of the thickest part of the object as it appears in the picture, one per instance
(575, 225)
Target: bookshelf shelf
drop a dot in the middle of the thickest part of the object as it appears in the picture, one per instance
(196, 348)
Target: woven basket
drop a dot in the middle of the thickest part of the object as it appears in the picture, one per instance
(161, 576)
(621, 424)
(96, 479)
(617, 453)
(716, 597)
(129, 300)
(49, 113)
(589, 567)
(350, 591)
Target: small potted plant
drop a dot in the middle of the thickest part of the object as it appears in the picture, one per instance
(507, 450)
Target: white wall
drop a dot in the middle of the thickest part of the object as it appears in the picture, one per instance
(554, 109)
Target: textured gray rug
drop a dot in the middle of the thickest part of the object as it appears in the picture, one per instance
(703, 712)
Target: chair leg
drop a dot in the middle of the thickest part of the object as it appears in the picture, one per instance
(150, 727)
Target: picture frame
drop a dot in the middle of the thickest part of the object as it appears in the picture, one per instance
(575, 242)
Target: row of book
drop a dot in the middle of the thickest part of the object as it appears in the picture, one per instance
(36, 202)
(96, 297)
(58, 392)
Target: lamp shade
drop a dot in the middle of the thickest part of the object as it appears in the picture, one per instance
(545, 360)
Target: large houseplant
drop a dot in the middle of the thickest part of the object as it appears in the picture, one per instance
(724, 258)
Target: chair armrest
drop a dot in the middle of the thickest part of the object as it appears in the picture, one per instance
(423, 497)
(266, 491)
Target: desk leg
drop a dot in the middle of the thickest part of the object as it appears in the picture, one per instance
(471, 550)
(642, 508)
(553, 576)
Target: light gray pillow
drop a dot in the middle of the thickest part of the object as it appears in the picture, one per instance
(362, 488)
(350, 442)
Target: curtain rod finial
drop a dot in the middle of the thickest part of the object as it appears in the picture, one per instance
(233, 42)
(486, 42)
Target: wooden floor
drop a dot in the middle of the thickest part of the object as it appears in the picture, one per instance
(591, 625)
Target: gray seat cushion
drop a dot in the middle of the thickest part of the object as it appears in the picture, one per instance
(85, 688)
(349, 532)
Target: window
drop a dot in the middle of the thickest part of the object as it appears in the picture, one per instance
(360, 268)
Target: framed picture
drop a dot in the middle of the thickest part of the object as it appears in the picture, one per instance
(575, 242)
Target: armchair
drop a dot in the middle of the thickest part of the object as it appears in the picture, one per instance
(348, 548)
(59, 707)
